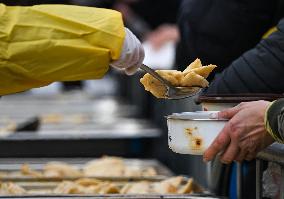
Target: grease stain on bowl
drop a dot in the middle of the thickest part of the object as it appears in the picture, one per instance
(195, 141)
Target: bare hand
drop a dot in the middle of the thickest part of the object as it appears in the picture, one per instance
(243, 136)
(162, 35)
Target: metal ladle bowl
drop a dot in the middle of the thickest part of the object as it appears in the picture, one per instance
(173, 92)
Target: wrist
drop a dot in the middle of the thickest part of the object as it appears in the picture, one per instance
(271, 119)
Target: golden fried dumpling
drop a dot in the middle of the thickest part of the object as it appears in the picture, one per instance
(204, 71)
(107, 188)
(26, 170)
(193, 76)
(193, 79)
(10, 188)
(68, 187)
(156, 87)
(187, 188)
(193, 65)
(106, 166)
(142, 187)
(61, 169)
(164, 187)
(88, 182)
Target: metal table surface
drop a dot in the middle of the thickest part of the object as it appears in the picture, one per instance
(109, 124)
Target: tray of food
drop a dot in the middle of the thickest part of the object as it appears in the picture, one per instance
(109, 177)
(105, 168)
(93, 186)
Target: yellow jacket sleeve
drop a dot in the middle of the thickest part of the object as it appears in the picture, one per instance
(47, 43)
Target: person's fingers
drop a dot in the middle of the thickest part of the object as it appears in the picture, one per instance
(220, 142)
(228, 113)
(231, 153)
(131, 70)
(250, 156)
(138, 60)
(242, 155)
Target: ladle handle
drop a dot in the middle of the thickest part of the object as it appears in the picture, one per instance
(156, 75)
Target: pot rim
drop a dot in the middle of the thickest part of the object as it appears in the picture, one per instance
(237, 98)
(173, 117)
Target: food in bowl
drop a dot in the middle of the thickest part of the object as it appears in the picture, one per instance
(193, 132)
(194, 75)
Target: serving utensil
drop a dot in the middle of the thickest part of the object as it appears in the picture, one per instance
(173, 92)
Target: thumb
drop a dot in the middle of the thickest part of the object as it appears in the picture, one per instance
(229, 113)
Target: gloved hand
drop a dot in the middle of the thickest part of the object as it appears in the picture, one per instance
(132, 54)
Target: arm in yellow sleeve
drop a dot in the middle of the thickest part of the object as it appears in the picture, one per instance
(47, 43)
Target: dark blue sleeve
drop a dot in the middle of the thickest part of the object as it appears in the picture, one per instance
(219, 31)
(259, 70)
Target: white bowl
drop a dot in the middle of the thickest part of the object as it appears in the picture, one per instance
(192, 132)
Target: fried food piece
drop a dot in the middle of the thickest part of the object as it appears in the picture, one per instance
(193, 79)
(61, 169)
(142, 187)
(88, 182)
(156, 87)
(26, 170)
(106, 166)
(150, 171)
(138, 172)
(113, 166)
(187, 188)
(68, 187)
(164, 187)
(172, 185)
(204, 71)
(10, 188)
(3, 174)
(107, 188)
(193, 76)
(193, 65)
(175, 181)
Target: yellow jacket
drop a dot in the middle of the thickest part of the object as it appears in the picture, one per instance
(47, 43)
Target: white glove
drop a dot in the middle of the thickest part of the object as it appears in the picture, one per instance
(132, 54)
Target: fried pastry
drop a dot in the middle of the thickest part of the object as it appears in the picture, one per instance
(156, 87)
(193, 65)
(10, 188)
(60, 169)
(26, 170)
(193, 79)
(193, 76)
(204, 71)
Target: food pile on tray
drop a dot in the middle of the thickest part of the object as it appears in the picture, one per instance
(103, 167)
(107, 175)
(173, 185)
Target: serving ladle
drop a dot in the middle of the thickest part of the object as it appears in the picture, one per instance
(173, 92)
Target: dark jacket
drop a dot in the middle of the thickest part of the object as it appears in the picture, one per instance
(259, 70)
(220, 31)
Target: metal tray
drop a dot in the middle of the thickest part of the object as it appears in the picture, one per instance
(31, 183)
(119, 196)
(13, 165)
